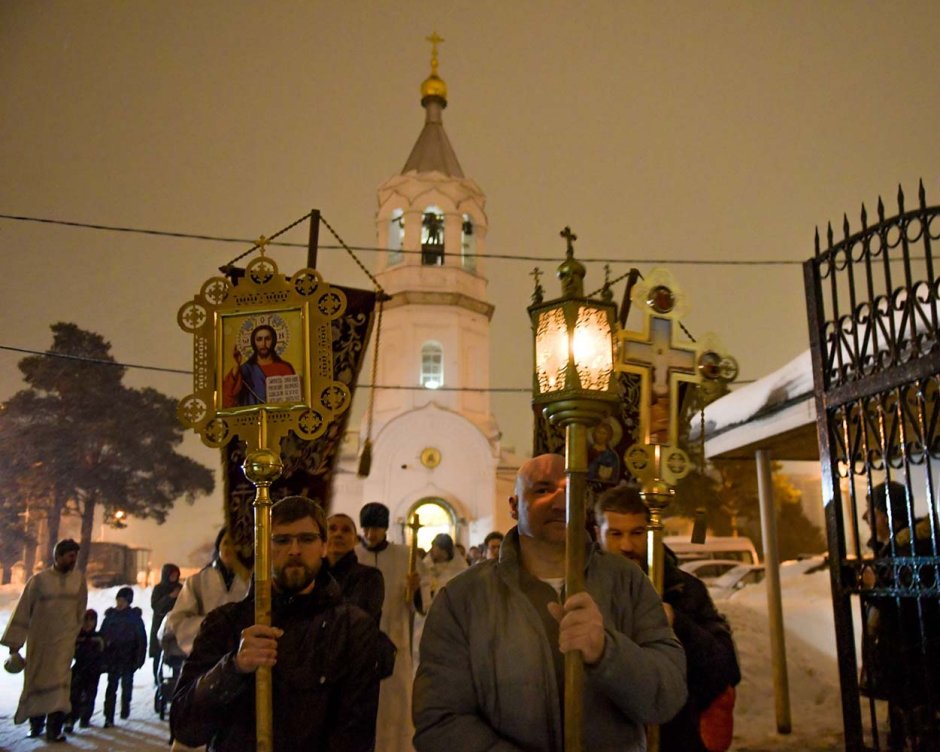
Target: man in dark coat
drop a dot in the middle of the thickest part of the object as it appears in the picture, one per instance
(901, 642)
(322, 650)
(711, 664)
(125, 640)
(162, 600)
(361, 585)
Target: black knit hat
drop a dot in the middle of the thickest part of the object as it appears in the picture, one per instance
(126, 593)
(374, 514)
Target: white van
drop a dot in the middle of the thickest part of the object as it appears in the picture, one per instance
(715, 547)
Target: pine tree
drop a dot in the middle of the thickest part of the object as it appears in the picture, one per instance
(91, 441)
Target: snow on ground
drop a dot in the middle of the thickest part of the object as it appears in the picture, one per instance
(813, 676)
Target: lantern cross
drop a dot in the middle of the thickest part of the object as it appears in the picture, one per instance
(570, 237)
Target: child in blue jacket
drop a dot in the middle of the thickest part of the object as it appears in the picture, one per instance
(125, 651)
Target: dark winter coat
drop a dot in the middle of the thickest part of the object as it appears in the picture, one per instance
(325, 683)
(89, 655)
(162, 601)
(361, 585)
(125, 640)
(901, 648)
(711, 663)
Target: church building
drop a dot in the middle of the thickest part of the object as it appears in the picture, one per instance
(435, 443)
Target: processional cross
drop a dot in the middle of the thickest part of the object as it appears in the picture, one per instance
(414, 525)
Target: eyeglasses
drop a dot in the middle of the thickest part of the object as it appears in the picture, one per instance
(303, 539)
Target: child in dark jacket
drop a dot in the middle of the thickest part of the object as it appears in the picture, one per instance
(125, 651)
(89, 655)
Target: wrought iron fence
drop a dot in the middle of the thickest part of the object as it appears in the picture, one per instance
(872, 304)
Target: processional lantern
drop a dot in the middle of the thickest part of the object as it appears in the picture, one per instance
(263, 368)
(574, 384)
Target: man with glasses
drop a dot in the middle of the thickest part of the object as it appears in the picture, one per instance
(323, 653)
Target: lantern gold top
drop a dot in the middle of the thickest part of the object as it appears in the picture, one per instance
(433, 85)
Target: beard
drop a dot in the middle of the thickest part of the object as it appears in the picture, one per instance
(294, 577)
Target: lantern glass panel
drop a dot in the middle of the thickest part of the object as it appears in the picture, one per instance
(593, 353)
(551, 350)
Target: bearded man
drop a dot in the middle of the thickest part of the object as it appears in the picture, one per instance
(323, 652)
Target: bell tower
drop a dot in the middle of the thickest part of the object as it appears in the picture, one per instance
(434, 439)
(432, 223)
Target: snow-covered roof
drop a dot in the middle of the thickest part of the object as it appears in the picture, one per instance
(776, 412)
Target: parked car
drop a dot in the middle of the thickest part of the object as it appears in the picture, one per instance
(740, 548)
(708, 570)
(734, 579)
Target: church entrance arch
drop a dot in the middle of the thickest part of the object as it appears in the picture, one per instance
(436, 516)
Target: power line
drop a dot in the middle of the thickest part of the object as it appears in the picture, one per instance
(140, 367)
(137, 366)
(375, 249)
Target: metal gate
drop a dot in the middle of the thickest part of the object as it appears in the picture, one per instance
(872, 303)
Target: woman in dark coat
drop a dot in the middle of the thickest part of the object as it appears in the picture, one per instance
(161, 600)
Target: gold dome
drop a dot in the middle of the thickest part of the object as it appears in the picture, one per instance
(434, 85)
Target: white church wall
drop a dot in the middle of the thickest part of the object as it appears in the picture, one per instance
(464, 477)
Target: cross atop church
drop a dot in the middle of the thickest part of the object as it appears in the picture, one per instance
(435, 39)
(570, 237)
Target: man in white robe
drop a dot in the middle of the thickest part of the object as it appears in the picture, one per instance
(394, 728)
(47, 619)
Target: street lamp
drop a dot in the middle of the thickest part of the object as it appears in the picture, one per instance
(575, 386)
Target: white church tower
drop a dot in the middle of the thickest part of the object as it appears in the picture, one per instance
(435, 443)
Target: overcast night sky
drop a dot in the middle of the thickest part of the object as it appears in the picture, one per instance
(661, 132)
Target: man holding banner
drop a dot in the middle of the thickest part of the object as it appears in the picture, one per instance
(323, 652)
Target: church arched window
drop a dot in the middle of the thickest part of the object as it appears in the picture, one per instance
(432, 237)
(396, 236)
(432, 365)
(468, 244)
(436, 516)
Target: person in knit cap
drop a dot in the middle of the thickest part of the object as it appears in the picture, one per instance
(125, 640)
(393, 727)
(47, 619)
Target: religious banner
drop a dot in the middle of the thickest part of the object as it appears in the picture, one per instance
(275, 359)
(308, 465)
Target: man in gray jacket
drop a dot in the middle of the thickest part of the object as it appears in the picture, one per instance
(492, 669)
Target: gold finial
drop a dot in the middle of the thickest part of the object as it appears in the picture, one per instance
(262, 244)
(433, 85)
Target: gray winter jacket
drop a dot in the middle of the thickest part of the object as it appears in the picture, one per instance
(486, 679)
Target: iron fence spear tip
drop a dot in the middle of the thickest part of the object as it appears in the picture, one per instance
(900, 199)
(922, 194)
(864, 215)
(845, 224)
(881, 210)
